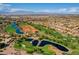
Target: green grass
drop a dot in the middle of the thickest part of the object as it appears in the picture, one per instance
(22, 23)
(25, 45)
(46, 51)
(75, 52)
(29, 48)
(9, 29)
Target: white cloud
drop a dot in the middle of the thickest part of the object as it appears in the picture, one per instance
(1, 4)
(17, 9)
(74, 10)
(4, 6)
(43, 10)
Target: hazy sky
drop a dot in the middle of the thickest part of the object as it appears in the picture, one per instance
(68, 8)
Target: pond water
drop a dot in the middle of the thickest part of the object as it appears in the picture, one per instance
(60, 47)
(18, 31)
(44, 42)
(35, 42)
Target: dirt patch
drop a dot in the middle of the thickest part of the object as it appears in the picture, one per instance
(57, 51)
(28, 28)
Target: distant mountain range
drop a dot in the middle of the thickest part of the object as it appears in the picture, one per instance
(32, 13)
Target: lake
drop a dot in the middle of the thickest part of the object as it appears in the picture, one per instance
(18, 31)
(45, 42)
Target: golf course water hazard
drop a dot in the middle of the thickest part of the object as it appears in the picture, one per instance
(44, 42)
(60, 47)
(18, 31)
